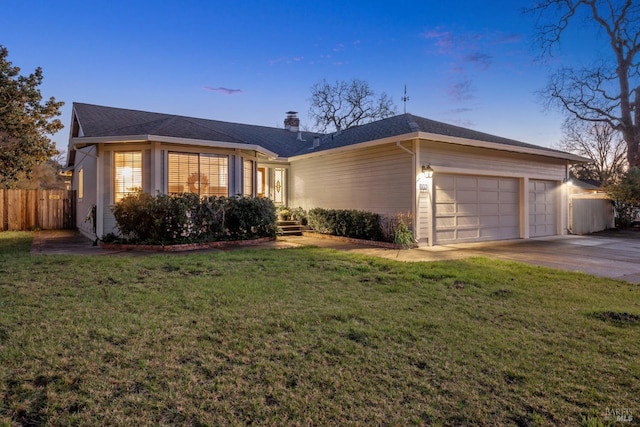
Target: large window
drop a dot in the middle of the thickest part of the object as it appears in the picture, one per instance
(81, 183)
(247, 178)
(202, 174)
(128, 173)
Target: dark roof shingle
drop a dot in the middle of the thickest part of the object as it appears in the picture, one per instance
(99, 121)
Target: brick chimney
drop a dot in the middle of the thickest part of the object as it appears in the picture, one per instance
(292, 122)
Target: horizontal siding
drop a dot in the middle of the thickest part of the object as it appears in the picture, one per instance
(109, 221)
(86, 161)
(377, 179)
(492, 161)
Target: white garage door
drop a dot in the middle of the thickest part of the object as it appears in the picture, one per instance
(543, 211)
(473, 208)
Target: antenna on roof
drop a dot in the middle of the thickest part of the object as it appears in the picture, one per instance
(405, 98)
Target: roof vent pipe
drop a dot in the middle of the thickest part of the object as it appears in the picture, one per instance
(316, 141)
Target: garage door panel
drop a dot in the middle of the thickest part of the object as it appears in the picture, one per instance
(488, 184)
(508, 197)
(488, 196)
(492, 221)
(484, 208)
(489, 209)
(445, 235)
(467, 208)
(510, 185)
(447, 221)
(467, 234)
(445, 208)
(466, 196)
(462, 182)
(512, 221)
(543, 208)
(465, 221)
(446, 195)
(446, 182)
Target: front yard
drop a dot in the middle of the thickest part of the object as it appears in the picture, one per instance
(310, 337)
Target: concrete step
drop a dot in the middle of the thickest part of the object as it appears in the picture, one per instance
(291, 228)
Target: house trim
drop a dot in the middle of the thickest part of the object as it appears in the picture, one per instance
(78, 143)
(449, 140)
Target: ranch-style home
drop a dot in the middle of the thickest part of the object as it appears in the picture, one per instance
(459, 185)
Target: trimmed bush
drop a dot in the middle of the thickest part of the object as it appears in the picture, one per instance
(363, 225)
(186, 218)
(347, 223)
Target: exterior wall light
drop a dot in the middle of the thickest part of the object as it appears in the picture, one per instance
(567, 181)
(427, 171)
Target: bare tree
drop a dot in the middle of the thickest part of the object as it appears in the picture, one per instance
(607, 91)
(345, 104)
(599, 142)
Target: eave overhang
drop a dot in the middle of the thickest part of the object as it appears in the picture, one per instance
(86, 141)
(425, 136)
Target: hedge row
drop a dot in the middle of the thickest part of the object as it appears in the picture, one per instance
(186, 218)
(347, 223)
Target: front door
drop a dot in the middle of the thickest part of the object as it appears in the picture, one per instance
(280, 186)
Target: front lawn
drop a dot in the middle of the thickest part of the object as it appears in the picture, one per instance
(310, 337)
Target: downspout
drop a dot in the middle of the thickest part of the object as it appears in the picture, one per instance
(414, 193)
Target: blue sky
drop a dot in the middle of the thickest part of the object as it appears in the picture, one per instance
(470, 63)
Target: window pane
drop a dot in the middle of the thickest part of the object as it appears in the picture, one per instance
(215, 172)
(183, 173)
(81, 184)
(247, 178)
(202, 174)
(128, 173)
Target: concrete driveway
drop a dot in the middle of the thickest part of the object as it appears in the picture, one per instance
(611, 254)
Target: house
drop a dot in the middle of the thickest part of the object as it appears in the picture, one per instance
(483, 187)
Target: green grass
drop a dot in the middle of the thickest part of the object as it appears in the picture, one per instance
(309, 337)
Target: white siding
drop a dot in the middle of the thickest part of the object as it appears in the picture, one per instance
(85, 160)
(377, 179)
(452, 158)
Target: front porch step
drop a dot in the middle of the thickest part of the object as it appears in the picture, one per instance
(291, 228)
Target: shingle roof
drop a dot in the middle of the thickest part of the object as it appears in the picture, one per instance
(99, 121)
(408, 123)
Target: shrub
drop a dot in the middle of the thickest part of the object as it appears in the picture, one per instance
(363, 225)
(626, 197)
(397, 229)
(186, 218)
(347, 223)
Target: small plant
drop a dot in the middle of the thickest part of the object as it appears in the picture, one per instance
(404, 236)
(299, 214)
(396, 229)
(284, 213)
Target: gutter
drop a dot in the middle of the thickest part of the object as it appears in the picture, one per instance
(424, 136)
(82, 142)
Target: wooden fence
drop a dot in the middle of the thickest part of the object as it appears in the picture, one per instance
(589, 213)
(32, 209)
